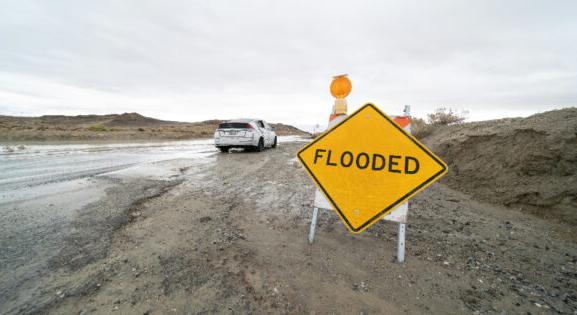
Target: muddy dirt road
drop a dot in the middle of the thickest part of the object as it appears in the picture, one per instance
(227, 233)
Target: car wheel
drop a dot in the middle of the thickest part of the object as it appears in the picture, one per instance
(223, 149)
(260, 145)
(274, 143)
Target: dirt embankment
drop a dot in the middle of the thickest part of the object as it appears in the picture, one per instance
(524, 163)
(123, 127)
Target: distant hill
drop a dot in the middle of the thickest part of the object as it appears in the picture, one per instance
(126, 126)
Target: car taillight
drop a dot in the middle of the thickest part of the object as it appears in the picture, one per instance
(248, 126)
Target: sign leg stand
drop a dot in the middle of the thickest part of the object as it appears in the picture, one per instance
(401, 243)
(313, 225)
(402, 228)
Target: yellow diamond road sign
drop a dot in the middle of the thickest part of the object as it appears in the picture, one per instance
(367, 165)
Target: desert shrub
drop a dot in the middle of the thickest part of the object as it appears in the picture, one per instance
(141, 129)
(446, 116)
(97, 127)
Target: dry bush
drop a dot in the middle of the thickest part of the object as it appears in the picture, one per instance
(442, 116)
(446, 116)
(420, 128)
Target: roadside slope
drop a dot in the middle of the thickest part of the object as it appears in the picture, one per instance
(524, 163)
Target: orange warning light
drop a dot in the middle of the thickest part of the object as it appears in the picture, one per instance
(341, 86)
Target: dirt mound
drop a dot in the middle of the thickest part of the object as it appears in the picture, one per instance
(524, 163)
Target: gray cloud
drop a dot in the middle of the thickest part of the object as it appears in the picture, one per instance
(200, 60)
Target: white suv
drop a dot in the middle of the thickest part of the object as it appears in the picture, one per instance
(244, 133)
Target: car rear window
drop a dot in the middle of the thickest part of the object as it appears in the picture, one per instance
(229, 125)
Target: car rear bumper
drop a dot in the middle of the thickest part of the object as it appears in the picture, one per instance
(234, 142)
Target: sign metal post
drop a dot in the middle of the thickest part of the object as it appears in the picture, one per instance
(401, 243)
(402, 227)
(313, 225)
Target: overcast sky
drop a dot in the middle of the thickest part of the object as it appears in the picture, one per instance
(198, 60)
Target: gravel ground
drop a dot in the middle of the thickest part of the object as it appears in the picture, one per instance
(230, 236)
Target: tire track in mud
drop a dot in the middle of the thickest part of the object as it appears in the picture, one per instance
(96, 223)
(220, 262)
(236, 275)
(199, 259)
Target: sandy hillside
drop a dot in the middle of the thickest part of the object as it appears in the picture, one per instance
(523, 163)
(124, 127)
